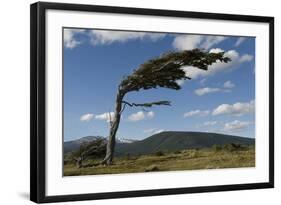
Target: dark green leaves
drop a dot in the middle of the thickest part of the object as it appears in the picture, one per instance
(165, 70)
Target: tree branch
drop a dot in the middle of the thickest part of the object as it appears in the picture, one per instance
(147, 104)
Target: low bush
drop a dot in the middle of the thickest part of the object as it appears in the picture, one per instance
(159, 153)
(217, 148)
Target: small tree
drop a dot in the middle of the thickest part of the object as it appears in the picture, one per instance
(164, 72)
(95, 148)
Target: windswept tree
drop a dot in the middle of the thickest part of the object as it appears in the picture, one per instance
(95, 148)
(161, 72)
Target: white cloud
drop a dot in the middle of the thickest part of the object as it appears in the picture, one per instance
(210, 123)
(239, 41)
(228, 84)
(246, 58)
(236, 125)
(86, 117)
(137, 116)
(200, 113)
(69, 37)
(216, 50)
(237, 109)
(180, 82)
(188, 42)
(150, 114)
(101, 37)
(235, 57)
(140, 116)
(206, 90)
(212, 40)
(105, 116)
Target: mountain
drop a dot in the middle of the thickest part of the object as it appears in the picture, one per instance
(75, 144)
(173, 141)
(124, 140)
(165, 141)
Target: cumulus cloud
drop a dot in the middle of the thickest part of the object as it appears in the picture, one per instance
(200, 113)
(101, 37)
(180, 82)
(87, 117)
(188, 42)
(228, 84)
(150, 114)
(69, 37)
(236, 125)
(206, 90)
(239, 41)
(105, 116)
(246, 58)
(140, 116)
(237, 109)
(236, 60)
(105, 37)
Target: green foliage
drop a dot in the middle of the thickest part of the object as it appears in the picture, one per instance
(165, 70)
(95, 148)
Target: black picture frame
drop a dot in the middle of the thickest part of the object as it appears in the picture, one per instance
(38, 97)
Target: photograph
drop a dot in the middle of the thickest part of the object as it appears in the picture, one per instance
(139, 101)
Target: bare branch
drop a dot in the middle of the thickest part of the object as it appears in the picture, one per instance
(147, 104)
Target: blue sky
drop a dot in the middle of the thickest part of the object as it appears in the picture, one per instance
(220, 100)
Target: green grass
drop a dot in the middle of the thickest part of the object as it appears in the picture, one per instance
(191, 159)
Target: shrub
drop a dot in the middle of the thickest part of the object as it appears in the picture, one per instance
(217, 148)
(233, 147)
(159, 153)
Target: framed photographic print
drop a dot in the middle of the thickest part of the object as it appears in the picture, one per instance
(129, 102)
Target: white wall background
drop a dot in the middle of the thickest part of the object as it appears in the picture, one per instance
(14, 100)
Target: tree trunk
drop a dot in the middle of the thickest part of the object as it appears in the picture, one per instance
(113, 129)
(79, 162)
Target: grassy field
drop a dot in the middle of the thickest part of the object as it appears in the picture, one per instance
(191, 159)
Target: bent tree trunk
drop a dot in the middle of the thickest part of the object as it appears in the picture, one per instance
(114, 124)
(79, 162)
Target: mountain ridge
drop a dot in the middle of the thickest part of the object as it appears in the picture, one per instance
(167, 141)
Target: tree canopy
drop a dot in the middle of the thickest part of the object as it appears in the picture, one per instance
(164, 71)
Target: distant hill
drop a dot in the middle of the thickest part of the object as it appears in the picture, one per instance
(173, 141)
(75, 144)
(165, 141)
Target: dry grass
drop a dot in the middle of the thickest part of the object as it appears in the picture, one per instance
(181, 160)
